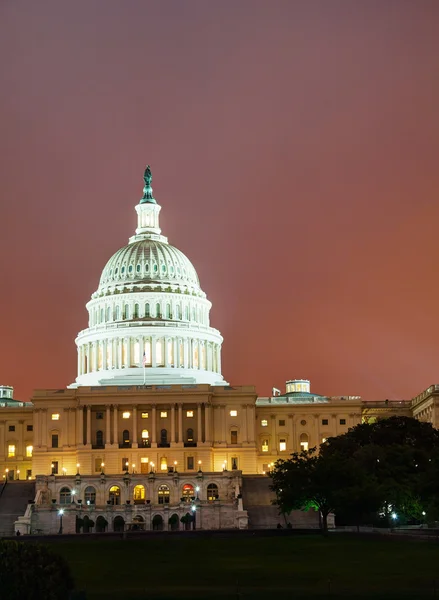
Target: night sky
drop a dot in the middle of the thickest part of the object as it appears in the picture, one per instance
(294, 147)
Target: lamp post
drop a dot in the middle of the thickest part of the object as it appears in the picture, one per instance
(194, 515)
(7, 474)
(60, 512)
(73, 496)
(199, 465)
(18, 474)
(64, 471)
(52, 466)
(133, 466)
(175, 466)
(151, 464)
(77, 468)
(127, 467)
(102, 468)
(197, 489)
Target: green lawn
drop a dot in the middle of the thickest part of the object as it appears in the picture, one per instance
(341, 566)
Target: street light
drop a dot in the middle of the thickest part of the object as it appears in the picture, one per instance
(199, 465)
(18, 474)
(194, 515)
(60, 512)
(77, 468)
(175, 465)
(152, 467)
(197, 489)
(64, 471)
(73, 496)
(102, 467)
(134, 466)
(127, 466)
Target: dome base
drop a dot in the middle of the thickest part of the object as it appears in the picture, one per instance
(152, 376)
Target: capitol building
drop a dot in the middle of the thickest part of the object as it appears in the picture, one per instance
(150, 435)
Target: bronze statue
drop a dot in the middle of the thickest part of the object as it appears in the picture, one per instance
(147, 176)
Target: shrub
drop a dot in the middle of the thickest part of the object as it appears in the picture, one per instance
(31, 572)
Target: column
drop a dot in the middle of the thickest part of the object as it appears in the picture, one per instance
(95, 356)
(173, 424)
(88, 428)
(185, 354)
(2, 439)
(65, 427)
(223, 423)
(251, 423)
(209, 356)
(273, 434)
(154, 427)
(166, 342)
(21, 452)
(108, 425)
(128, 363)
(207, 436)
(115, 425)
(176, 364)
(244, 424)
(218, 360)
(291, 443)
(134, 435)
(80, 425)
(46, 426)
(104, 355)
(153, 353)
(37, 429)
(79, 360)
(180, 423)
(199, 425)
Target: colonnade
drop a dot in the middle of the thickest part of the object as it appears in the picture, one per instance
(144, 351)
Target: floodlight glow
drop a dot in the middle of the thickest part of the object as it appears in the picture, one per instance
(394, 516)
(61, 512)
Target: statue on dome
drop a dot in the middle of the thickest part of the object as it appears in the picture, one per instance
(147, 176)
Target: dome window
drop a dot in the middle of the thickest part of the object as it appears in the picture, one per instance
(146, 268)
(116, 270)
(130, 269)
(171, 270)
(156, 268)
(137, 268)
(163, 268)
(122, 270)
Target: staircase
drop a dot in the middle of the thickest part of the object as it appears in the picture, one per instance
(14, 497)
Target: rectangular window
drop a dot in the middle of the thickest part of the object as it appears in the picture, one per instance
(29, 474)
(54, 467)
(264, 423)
(282, 445)
(190, 463)
(145, 415)
(98, 462)
(189, 413)
(281, 422)
(265, 446)
(126, 415)
(233, 437)
(144, 464)
(55, 416)
(11, 450)
(163, 414)
(29, 427)
(29, 450)
(233, 413)
(125, 464)
(99, 415)
(11, 427)
(234, 462)
(54, 440)
(325, 421)
(163, 464)
(342, 421)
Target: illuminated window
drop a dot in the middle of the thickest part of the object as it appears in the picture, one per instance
(126, 415)
(304, 444)
(163, 494)
(29, 450)
(11, 450)
(163, 414)
(55, 417)
(189, 413)
(139, 492)
(282, 445)
(264, 423)
(212, 492)
(144, 459)
(163, 464)
(265, 446)
(114, 494)
(233, 413)
(145, 434)
(145, 415)
(188, 492)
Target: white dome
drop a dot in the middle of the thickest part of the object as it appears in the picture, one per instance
(149, 318)
(147, 263)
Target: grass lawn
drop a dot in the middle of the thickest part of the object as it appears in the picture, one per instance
(342, 566)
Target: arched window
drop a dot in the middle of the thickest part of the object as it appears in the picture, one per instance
(145, 438)
(114, 494)
(117, 317)
(187, 492)
(101, 320)
(164, 437)
(178, 312)
(168, 311)
(186, 313)
(212, 492)
(147, 310)
(139, 493)
(126, 437)
(90, 495)
(101, 524)
(65, 496)
(304, 442)
(108, 313)
(118, 523)
(136, 311)
(126, 312)
(163, 494)
(99, 438)
(158, 312)
(157, 523)
(190, 435)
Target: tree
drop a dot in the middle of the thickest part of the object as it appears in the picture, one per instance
(32, 571)
(308, 480)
